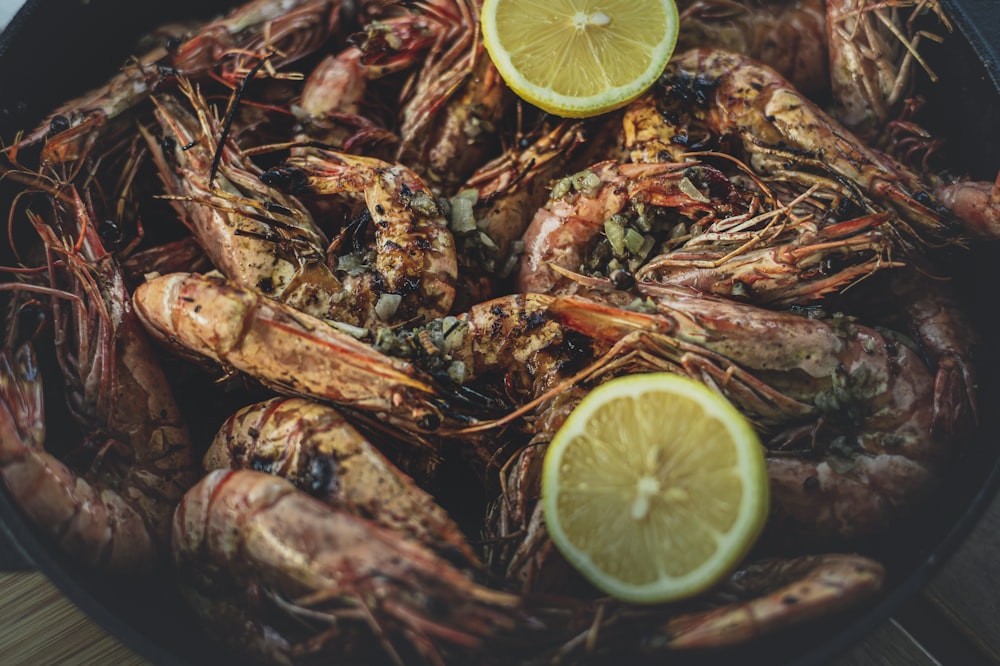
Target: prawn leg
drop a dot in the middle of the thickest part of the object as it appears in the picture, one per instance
(781, 273)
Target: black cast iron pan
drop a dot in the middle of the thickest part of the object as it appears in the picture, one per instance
(55, 50)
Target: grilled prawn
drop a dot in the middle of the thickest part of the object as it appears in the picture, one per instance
(790, 139)
(113, 510)
(270, 341)
(264, 239)
(316, 448)
(324, 582)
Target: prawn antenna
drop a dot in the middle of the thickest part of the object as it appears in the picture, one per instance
(230, 114)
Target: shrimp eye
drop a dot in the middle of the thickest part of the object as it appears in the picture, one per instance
(429, 421)
(276, 177)
(58, 124)
(110, 232)
(285, 179)
(848, 209)
(832, 265)
(260, 464)
(166, 70)
(622, 279)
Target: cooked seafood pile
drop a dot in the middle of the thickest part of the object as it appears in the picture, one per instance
(330, 236)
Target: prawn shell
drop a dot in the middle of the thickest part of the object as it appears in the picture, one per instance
(316, 448)
(286, 350)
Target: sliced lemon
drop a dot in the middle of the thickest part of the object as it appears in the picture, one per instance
(655, 487)
(578, 58)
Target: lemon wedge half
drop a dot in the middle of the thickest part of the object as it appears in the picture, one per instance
(655, 487)
(578, 58)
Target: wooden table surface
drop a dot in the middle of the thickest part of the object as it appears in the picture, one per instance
(956, 619)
